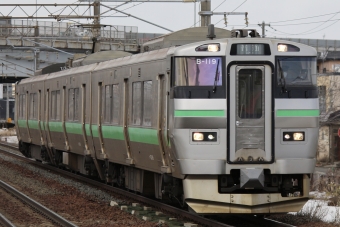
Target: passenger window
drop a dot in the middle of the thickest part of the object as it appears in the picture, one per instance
(115, 104)
(33, 106)
(107, 103)
(136, 103)
(70, 104)
(250, 93)
(76, 104)
(55, 105)
(22, 106)
(147, 103)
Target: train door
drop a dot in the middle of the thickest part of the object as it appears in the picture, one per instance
(250, 121)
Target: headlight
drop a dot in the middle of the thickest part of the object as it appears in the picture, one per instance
(204, 136)
(197, 136)
(293, 136)
(287, 136)
(282, 48)
(298, 136)
(210, 47)
(213, 47)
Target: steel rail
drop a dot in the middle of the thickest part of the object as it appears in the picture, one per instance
(37, 206)
(185, 214)
(5, 222)
(190, 216)
(170, 209)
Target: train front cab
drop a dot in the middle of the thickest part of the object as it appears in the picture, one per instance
(234, 148)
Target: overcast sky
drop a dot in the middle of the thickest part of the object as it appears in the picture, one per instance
(313, 19)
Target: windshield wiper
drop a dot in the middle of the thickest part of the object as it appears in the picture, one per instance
(216, 76)
(282, 78)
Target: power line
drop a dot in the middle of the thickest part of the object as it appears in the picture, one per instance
(314, 22)
(304, 18)
(232, 11)
(302, 33)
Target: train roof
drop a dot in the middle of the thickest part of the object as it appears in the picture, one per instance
(182, 37)
(189, 49)
(133, 59)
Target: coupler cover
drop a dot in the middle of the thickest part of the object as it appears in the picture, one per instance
(252, 178)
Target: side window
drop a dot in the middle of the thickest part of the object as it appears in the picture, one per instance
(57, 107)
(22, 106)
(136, 103)
(115, 103)
(53, 104)
(147, 103)
(142, 103)
(73, 104)
(33, 106)
(76, 104)
(70, 104)
(107, 103)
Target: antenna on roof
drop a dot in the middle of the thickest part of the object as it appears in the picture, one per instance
(211, 31)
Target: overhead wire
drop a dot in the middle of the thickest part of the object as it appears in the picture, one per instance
(305, 18)
(232, 11)
(307, 32)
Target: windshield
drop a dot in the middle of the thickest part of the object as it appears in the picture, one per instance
(198, 71)
(296, 71)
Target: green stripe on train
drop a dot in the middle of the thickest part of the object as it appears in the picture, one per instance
(95, 130)
(140, 135)
(22, 123)
(32, 124)
(55, 126)
(74, 128)
(200, 113)
(87, 129)
(297, 113)
(113, 132)
(143, 135)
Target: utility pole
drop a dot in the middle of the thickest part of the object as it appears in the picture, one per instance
(36, 51)
(96, 26)
(205, 19)
(263, 25)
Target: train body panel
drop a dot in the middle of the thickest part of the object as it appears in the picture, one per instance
(226, 125)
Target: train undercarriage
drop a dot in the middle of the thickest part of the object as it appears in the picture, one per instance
(254, 192)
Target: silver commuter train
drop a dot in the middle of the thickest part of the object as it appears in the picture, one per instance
(226, 125)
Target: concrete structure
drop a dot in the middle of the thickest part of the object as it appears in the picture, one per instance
(329, 96)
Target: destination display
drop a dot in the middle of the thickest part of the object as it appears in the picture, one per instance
(250, 49)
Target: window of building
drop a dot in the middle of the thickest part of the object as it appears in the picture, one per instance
(322, 99)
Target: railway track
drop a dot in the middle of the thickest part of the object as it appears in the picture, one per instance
(5, 222)
(44, 211)
(249, 221)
